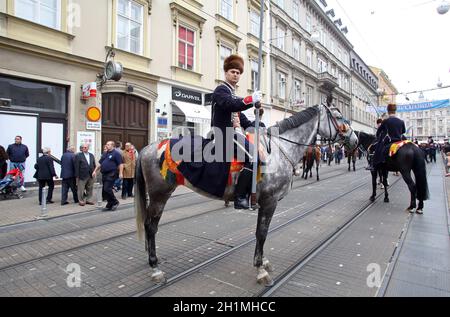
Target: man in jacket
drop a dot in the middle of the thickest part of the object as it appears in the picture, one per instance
(68, 176)
(18, 154)
(390, 131)
(45, 171)
(110, 163)
(225, 103)
(128, 170)
(85, 175)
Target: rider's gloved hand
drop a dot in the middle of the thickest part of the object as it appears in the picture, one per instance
(255, 98)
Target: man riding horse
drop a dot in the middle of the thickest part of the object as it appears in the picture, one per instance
(390, 131)
(224, 104)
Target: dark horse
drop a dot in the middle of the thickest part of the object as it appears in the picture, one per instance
(408, 158)
(295, 133)
(312, 155)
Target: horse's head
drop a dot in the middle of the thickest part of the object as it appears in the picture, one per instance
(334, 127)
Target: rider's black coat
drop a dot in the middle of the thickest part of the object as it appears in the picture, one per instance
(390, 131)
(212, 178)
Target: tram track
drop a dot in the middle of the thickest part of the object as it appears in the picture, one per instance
(158, 287)
(116, 221)
(126, 234)
(284, 277)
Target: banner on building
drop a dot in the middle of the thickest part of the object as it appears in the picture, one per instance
(413, 107)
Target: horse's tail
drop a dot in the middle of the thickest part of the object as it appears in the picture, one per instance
(140, 199)
(420, 172)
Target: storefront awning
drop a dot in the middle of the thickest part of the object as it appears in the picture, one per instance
(194, 113)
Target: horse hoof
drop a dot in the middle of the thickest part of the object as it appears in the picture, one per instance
(372, 199)
(264, 278)
(159, 276)
(267, 266)
(419, 211)
(227, 205)
(386, 200)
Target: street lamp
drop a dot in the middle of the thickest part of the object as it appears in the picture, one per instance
(444, 7)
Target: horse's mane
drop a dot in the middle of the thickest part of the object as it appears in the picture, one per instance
(365, 139)
(296, 120)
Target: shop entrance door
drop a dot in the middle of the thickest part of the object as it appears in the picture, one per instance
(125, 118)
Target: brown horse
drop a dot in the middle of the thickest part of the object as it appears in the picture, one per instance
(312, 154)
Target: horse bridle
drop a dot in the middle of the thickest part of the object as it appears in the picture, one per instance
(340, 131)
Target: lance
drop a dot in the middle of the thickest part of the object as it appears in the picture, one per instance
(258, 87)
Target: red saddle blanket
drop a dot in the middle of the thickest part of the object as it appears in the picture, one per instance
(169, 167)
(397, 146)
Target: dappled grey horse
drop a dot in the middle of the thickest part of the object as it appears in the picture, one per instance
(284, 146)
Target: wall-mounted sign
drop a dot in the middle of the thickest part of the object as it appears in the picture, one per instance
(89, 90)
(84, 137)
(93, 114)
(208, 99)
(187, 95)
(97, 126)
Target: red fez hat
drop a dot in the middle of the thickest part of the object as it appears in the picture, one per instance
(234, 62)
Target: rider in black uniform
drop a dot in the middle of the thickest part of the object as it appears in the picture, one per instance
(390, 131)
(224, 104)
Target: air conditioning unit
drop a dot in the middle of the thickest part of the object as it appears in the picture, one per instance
(5, 102)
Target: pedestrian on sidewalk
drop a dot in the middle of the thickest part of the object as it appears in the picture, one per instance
(18, 154)
(118, 182)
(129, 167)
(110, 165)
(68, 176)
(45, 172)
(3, 164)
(84, 168)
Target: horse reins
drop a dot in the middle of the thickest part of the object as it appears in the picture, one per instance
(331, 120)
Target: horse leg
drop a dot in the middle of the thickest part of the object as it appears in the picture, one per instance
(317, 171)
(374, 185)
(349, 163)
(420, 208)
(354, 165)
(386, 193)
(151, 228)
(412, 189)
(265, 215)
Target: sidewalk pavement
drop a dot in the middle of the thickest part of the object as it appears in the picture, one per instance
(15, 211)
(423, 265)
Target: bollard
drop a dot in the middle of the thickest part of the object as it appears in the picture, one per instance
(98, 191)
(44, 213)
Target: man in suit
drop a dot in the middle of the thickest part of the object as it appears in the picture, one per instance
(68, 176)
(45, 171)
(85, 175)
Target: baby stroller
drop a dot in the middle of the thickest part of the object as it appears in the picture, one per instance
(10, 184)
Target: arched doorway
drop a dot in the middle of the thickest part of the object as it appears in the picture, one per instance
(125, 118)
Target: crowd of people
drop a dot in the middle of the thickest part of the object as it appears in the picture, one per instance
(79, 171)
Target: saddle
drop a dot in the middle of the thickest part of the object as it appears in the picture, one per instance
(172, 175)
(395, 147)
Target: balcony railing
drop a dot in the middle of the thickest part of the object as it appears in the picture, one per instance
(328, 81)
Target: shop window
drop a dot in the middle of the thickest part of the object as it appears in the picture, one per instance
(33, 96)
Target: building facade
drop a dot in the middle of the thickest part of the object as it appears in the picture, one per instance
(387, 92)
(309, 58)
(364, 95)
(198, 36)
(50, 49)
(423, 124)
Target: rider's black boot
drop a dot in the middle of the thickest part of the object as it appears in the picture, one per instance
(241, 190)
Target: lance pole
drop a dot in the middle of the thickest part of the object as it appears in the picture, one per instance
(257, 119)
